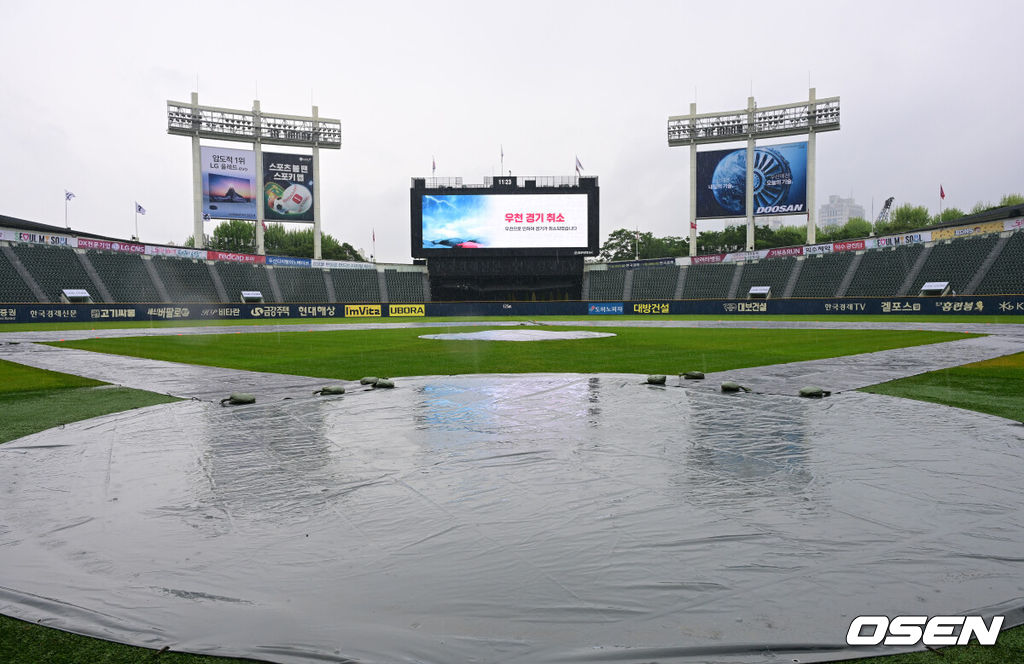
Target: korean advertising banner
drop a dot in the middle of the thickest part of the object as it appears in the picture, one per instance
(229, 183)
(288, 187)
(780, 181)
(504, 221)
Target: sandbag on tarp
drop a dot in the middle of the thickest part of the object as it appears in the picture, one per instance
(238, 399)
(733, 386)
(656, 379)
(330, 390)
(692, 375)
(368, 380)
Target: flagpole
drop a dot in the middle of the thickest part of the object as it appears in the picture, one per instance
(66, 224)
(136, 221)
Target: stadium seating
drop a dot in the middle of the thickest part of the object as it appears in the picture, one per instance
(54, 269)
(772, 272)
(354, 285)
(404, 286)
(301, 284)
(12, 287)
(238, 277)
(124, 275)
(956, 261)
(882, 272)
(708, 281)
(1007, 272)
(607, 285)
(821, 275)
(186, 280)
(654, 283)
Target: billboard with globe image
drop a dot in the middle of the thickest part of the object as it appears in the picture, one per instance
(229, 183)
(780, 181)
(288, 187)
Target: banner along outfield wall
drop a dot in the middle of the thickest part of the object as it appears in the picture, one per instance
(1012, 305)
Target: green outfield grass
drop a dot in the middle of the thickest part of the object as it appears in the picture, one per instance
(836, 318)
(351, 354)
(988, 386)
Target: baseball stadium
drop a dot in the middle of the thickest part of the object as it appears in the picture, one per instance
(506, 449)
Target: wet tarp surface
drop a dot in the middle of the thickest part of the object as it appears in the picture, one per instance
(518, 335)
(518, 518)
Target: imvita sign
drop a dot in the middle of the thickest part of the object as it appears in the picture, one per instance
(911, 630)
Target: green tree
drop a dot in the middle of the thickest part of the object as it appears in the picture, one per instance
(982, 206)
(1011, 199)
(234, 235)
(904, 218)
(949, 214)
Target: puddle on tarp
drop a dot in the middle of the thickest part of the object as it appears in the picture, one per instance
(514, 518)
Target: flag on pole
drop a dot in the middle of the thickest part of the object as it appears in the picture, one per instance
(579, 166)
(206, 215)
(693, 225)
(373, 235)
(139, 208)
(68, 195)
(942, 192)
(502, 151)
(433, 166)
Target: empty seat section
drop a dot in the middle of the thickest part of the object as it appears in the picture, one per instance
(404, 286)
(772, 272)
(708, 282)
(124, 275)
(186, 280)
(54, 269)
(821, 275)
(883, 271)
(956, 262)
(1006, 276)
(238, 277)
(301, 284)
(12, 287)
(654, 283)
(356, 285)
(607, 284)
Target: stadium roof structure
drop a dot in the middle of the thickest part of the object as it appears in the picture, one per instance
(15, 223)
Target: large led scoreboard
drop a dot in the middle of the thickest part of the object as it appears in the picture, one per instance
(505, 216)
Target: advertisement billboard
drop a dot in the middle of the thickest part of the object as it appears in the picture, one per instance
(780, 181)
(504, 221)
(288, 187)
(229, 183)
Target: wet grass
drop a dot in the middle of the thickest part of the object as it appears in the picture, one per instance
(351, 354)
(33, 400)
(994, 386)
(310, 322)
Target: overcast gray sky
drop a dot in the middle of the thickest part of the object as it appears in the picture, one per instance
(931, 94)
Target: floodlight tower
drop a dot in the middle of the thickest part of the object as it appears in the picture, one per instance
(257, 128)
(805, 117)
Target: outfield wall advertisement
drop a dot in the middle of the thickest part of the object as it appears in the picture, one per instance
(1004, 305)
(780, 181)
(504, 221)
(229, 183)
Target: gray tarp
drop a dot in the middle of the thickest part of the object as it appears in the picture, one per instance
(552, 518)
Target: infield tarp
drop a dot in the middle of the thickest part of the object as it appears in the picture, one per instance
(517, 518)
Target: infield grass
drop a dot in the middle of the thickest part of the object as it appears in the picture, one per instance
(33, 400)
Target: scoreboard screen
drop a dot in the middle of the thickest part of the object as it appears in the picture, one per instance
(514, 221)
